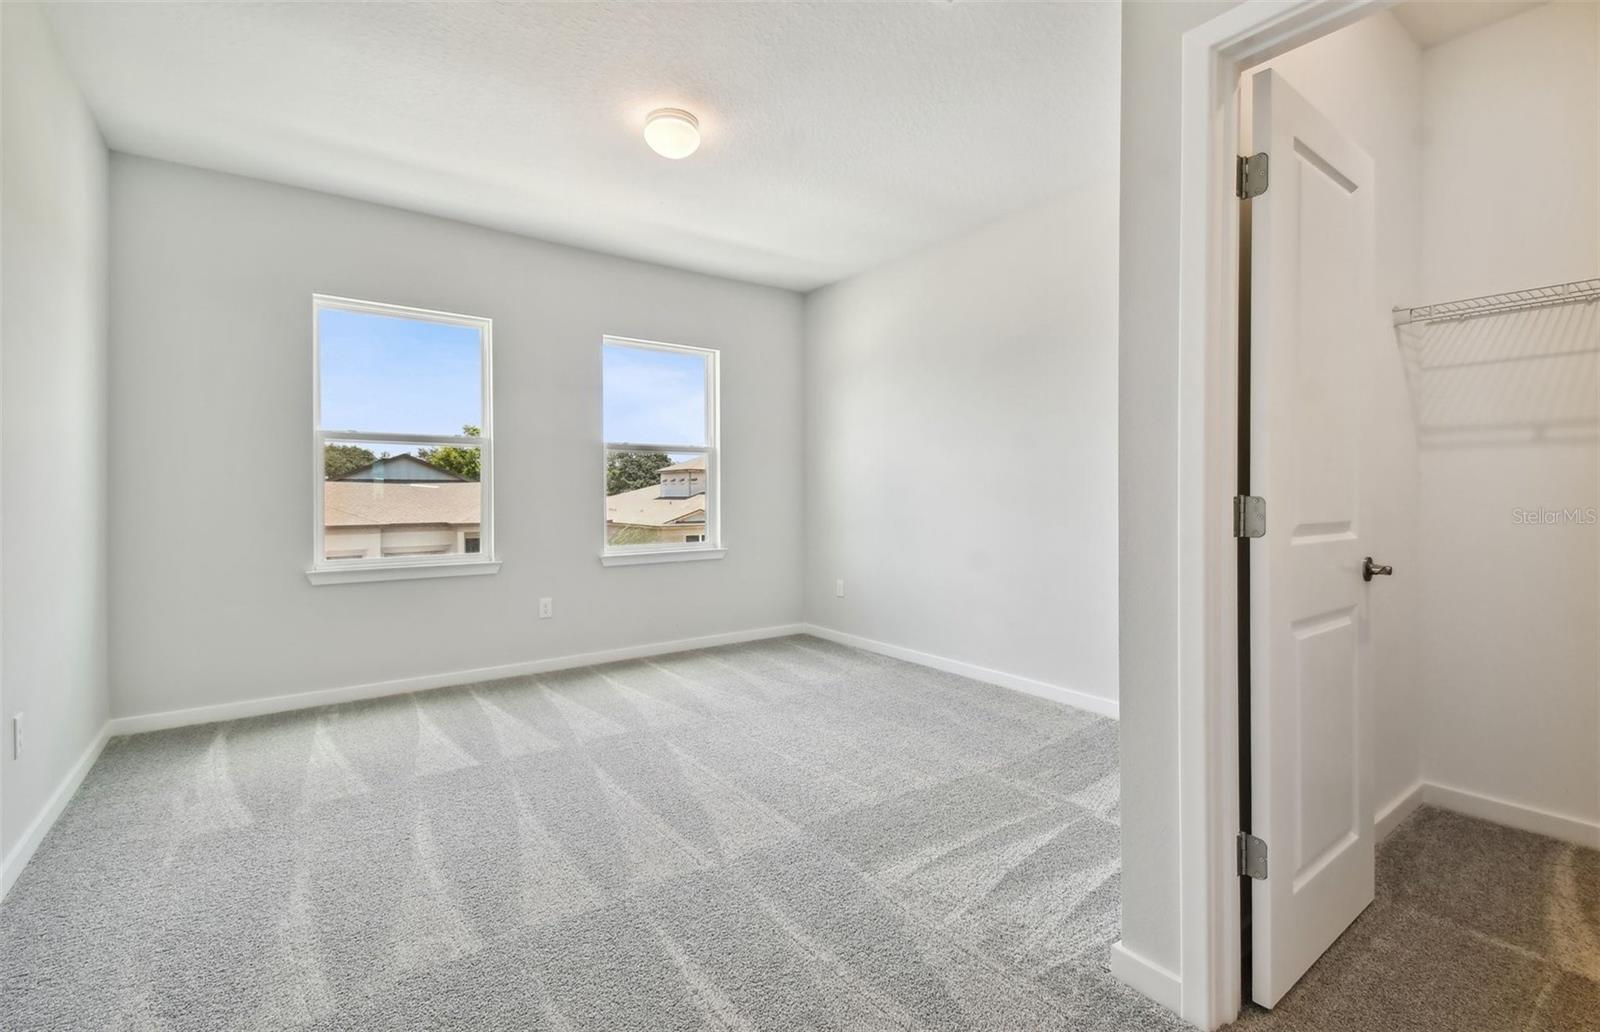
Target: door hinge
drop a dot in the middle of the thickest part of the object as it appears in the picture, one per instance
(1249, 516)
(1251, 178)
(1252, 857)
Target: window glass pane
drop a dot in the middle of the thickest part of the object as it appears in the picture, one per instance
(654, 396)
(384, 373)
(655, 499)
(395, 500)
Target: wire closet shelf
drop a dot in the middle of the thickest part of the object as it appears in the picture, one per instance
(1493, 304)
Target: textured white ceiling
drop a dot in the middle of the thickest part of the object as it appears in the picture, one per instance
(1432, 22)
(836, 136)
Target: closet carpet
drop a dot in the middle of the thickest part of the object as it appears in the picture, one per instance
(1476, 928)
(782, 835)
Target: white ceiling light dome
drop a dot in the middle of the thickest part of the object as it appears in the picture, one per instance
(672, 132)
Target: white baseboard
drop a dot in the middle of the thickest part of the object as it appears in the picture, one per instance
(1395, 811)
(306, 700)
(22, 852)
(1513, 815)
(1016, 682)
(1475, 804)
(1147, 977)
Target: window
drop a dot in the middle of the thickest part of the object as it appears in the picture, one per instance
(403, 443)
(661, 452)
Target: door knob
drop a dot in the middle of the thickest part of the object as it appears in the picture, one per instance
(1370, 569)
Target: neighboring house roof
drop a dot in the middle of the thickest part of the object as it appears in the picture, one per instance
(695, 463)
(402, 468)
(644, 507)
(359, 503)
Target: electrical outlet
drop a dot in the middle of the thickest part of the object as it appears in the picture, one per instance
(16, 736)
(838, 588)
(547, 608)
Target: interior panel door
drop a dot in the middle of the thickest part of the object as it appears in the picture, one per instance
(1312, 309)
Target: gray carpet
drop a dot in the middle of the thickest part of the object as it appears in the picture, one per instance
(1476, 928)
(784, 835)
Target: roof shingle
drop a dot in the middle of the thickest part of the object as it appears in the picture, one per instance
(644, 507)
(356, 503)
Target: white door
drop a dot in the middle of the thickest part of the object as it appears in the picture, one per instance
(1312, 311)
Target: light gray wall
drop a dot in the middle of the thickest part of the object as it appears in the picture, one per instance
(1147, 462)
(960, 436)
(212, 277)
(52, 420)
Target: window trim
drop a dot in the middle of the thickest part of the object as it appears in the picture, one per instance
(678, 553)
(711, 547)
(342, 571)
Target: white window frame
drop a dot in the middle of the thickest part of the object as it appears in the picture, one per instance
(341, 571)
(710, 547)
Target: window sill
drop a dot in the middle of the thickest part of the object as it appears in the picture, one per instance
(406, 571)
(665, 555)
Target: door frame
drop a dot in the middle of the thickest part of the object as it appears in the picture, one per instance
(1213, 56)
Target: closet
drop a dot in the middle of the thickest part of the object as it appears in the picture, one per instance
(1481, 423)
(1479, 465)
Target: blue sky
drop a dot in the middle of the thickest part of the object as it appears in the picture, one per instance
(654, 397)
(386, 374)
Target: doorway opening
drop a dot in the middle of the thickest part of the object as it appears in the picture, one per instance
(1415, 699)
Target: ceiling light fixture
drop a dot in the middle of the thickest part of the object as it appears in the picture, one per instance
(672, 132)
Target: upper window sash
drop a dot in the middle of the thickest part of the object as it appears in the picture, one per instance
(478, 409)
(707, 430)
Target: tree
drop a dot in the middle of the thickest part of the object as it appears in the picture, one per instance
(627, 471)
(466, 463)
(341, 460)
